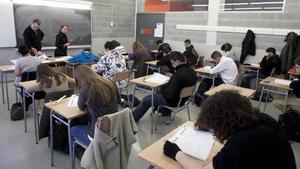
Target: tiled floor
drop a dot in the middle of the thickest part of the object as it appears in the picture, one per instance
(19, 151)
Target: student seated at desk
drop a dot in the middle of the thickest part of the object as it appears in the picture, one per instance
(139, 55)
(165, 62)
(161, 46)
(26, 63)
(251, 139)
(98, 96)
(228, 52)
(269, 62)
(293, 100)
(183, 77)
(85, 57)
(118, 47)
(111, 63)
(225, 67)
(49, 80)
(190, 53)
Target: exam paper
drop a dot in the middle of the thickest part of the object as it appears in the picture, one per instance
(283, 82)
(158, 78)
(73, 101)
(193, 142)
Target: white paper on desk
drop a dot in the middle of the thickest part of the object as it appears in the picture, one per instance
(73, 101)
(283, 82)
(67, 57)
(158, 78)
(14, 61)
(254, 64)
(193, 142)
(43, 57)
(207, 67)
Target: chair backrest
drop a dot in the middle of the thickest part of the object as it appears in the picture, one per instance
(200, 61)
(273, 72)
(121, 76)
(104, 124)
(27, 76)
(238, 79)
(187, 91)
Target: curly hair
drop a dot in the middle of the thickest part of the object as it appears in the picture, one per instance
(225, 112)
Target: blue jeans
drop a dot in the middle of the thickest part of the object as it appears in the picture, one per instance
(80, 132)
(158, 99)
(248, 76)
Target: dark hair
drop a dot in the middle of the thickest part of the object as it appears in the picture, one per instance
(166, 49)
(225, 112)
(271, 49)
(297, 61)
(159, 41)
(62, 26)
(108, 45)
(226, 47)
(177, 56)
(37, 21)
(87, 49)
(45, 76)
(23, 50)
(187, 41)
(216, 54)
(115, 43)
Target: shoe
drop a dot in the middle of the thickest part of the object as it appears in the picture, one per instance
(167, 120)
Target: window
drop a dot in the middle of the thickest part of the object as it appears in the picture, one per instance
(175, 5)
(252, 5)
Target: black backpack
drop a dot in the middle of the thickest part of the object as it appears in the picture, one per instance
(290, 122)
(16, 111)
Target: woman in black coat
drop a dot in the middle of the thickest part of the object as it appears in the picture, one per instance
(62, 42)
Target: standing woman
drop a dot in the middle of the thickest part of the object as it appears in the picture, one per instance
(62, 42)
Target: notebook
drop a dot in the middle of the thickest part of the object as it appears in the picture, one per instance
(73, 101)
(193, 142)
(283, 82)
(158, 78)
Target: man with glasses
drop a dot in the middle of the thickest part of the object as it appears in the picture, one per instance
(33, 37)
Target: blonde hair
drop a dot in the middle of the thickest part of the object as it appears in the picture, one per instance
(137, 46)
(99, 86)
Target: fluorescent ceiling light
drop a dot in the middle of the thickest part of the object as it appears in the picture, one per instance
(280, 8)
(248, 8)
(83, 5)
(235, 4)
(265, 3)
(198, 5)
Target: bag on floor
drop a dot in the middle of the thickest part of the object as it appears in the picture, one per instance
(16, 112)
(199, 96)
(290, 122)
(256, 97)
(127, 103)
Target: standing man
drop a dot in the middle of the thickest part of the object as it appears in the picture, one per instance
(33, 37)
(190, 53)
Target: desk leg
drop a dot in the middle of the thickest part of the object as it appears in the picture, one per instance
(147, 70)
(257, 75)
(261, 95)
(132, 101)
(24, 109)
(51, 139)
(213, 84)
(2, 87)
(35, 118)
(286, 98)
(266, 101)
(7, 95)
(70, 144)
(152, 110)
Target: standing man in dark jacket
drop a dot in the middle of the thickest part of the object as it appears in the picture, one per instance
(33, 37)
(190, 53)
(62, 42)
(248, 46)
(183, 77)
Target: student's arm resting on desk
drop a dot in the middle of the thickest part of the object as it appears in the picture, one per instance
(218, 68)
(163, 61)
(171, 89)
(188, 162)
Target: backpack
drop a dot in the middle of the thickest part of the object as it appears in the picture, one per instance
(290, 122)
(199, 96)
(16, 111)
(127, 103)
(256, 97)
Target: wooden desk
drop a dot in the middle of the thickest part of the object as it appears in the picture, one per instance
(59, 110)
(204, 73)
(4, 71)
(54, 60)
(26, 85)
(268, 84)
(152, 65)
(154, 153)
(242, 91)
(252, 68)
(153, 86)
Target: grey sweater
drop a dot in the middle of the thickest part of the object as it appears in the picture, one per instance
(112, 151)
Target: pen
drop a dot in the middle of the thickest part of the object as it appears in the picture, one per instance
(60, 99)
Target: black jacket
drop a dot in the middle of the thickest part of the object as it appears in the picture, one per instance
(33, 38)
(295, 85)
(184, 76)
(248, 46)
(166, 61)
(162, 49)
(267, 64)
(191, 55)
(288, 52)
(61, 39)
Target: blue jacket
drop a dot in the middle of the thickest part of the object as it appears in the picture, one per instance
(84, 57)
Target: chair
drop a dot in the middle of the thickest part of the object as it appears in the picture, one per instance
(238, 79)
(123, 76)
(186, 92)
(199, 62)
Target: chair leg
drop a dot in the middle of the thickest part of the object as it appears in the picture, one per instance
(188, 111)
(157, 119)
(73, 154)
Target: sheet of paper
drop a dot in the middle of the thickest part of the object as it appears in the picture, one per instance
(73, 101)
(158, 78)
(283, 82)
(254, 64)
(14, 61)
(207, 67)
(158, 31)
(194, 142)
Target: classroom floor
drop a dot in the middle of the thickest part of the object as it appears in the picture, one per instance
(19, 151)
